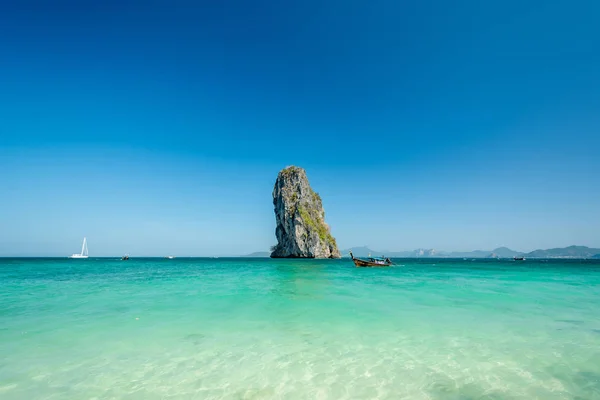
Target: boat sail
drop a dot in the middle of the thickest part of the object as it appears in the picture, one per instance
(84, 251)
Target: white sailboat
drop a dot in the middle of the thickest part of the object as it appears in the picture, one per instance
(84, 251)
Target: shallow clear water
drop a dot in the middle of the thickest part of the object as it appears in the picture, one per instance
(298, 329)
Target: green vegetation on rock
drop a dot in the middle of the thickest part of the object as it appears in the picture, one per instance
(290, 170)
(315, 222)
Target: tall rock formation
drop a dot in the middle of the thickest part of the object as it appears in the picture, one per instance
(301, 229)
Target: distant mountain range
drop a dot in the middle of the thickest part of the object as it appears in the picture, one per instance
(500, 252)
(258, 254)
(566, 252)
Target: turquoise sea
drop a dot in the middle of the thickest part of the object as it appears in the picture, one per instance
(298, 329)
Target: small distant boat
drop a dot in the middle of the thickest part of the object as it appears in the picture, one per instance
(518, 258)
(84, 251)
(371, 261)
(170, 257)
(125, 257)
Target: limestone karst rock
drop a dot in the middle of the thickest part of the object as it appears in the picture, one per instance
(301, 229)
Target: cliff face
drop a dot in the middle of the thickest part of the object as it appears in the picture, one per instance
(301, 229)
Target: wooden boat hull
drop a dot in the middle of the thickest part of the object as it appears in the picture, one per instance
(363, 263)
(371, 262)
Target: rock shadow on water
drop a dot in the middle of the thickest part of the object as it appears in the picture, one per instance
(307, 283)
(572, 321)
(195, 338)
(588, 384)
(256, 393)
(583, 385)
(444, 388)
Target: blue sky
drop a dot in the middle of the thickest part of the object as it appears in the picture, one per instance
(158, 128)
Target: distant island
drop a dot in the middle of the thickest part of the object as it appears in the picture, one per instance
(566, 252)
(574, 252)
(259, 254)
(500, 252)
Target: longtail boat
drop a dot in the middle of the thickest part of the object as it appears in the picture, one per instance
(371, 261)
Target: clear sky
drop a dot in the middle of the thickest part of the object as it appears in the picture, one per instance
(158, 128)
